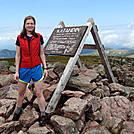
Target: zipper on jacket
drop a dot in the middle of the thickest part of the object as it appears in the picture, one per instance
(29, 48)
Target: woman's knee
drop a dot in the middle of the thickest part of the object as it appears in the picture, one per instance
(38, 89)
(21, 93)
(21, 88)
(38, 93)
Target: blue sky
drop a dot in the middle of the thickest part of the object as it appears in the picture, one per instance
(114, 18)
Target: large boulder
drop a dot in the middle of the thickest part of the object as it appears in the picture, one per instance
(83, 80)
(64, 125)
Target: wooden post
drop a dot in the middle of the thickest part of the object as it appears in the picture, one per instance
(61, 24)
(101, 51)
(66, 74)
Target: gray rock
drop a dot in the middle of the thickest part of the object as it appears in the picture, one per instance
(28, 117)
(64, 125)
(74, 108)
(4, 66)
(12, 69)
(82, 81)
(117, 106)
(36, 129)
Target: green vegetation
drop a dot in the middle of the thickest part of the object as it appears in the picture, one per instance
(11, 61)
(63, 59)
(84, 59)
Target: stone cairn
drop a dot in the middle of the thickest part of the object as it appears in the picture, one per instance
(89, 104)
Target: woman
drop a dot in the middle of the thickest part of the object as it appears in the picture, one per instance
(29, 57)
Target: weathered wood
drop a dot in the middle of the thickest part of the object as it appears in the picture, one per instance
(65, 40)
(100, 48)
(79, 63)
(61, 24)
(89, 46)
(66, 74)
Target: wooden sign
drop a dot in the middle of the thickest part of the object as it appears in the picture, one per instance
(65, 41)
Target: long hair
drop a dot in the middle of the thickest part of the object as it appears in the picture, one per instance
(24, 32)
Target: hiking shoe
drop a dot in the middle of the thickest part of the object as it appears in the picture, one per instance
(17, 116)
(42, 121)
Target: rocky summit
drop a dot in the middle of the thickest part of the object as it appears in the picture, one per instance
(89, 104)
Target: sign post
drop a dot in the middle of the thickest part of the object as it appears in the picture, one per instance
(69, 41)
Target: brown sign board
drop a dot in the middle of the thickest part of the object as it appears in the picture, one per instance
(65, 41)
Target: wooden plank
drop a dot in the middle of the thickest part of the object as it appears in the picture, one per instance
(101, 51)
(66, 74)
(89, 46)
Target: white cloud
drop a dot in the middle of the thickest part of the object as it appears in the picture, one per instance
(131, 25)
(111, 39)
(7, 38)
(107, 32)
(130, 39)
(120, 37)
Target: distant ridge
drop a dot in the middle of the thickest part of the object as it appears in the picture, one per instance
(114, 52)
(5, 53)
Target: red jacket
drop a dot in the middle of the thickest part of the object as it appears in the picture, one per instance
(30, 53)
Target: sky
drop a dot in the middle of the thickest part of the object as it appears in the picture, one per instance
(114, 19)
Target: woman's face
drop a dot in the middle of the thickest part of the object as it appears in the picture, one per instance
(29, 25)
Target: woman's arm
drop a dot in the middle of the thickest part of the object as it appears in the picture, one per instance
(17, 62)
(43, 59)
(42, 56)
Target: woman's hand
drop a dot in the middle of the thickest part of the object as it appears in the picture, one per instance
(16, 76)
(45, 73)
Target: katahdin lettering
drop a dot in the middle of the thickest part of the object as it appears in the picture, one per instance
(67, 30)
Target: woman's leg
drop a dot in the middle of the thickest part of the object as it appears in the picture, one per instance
(21, 93)
(40, 96)
(20, 98)
(41, 102)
